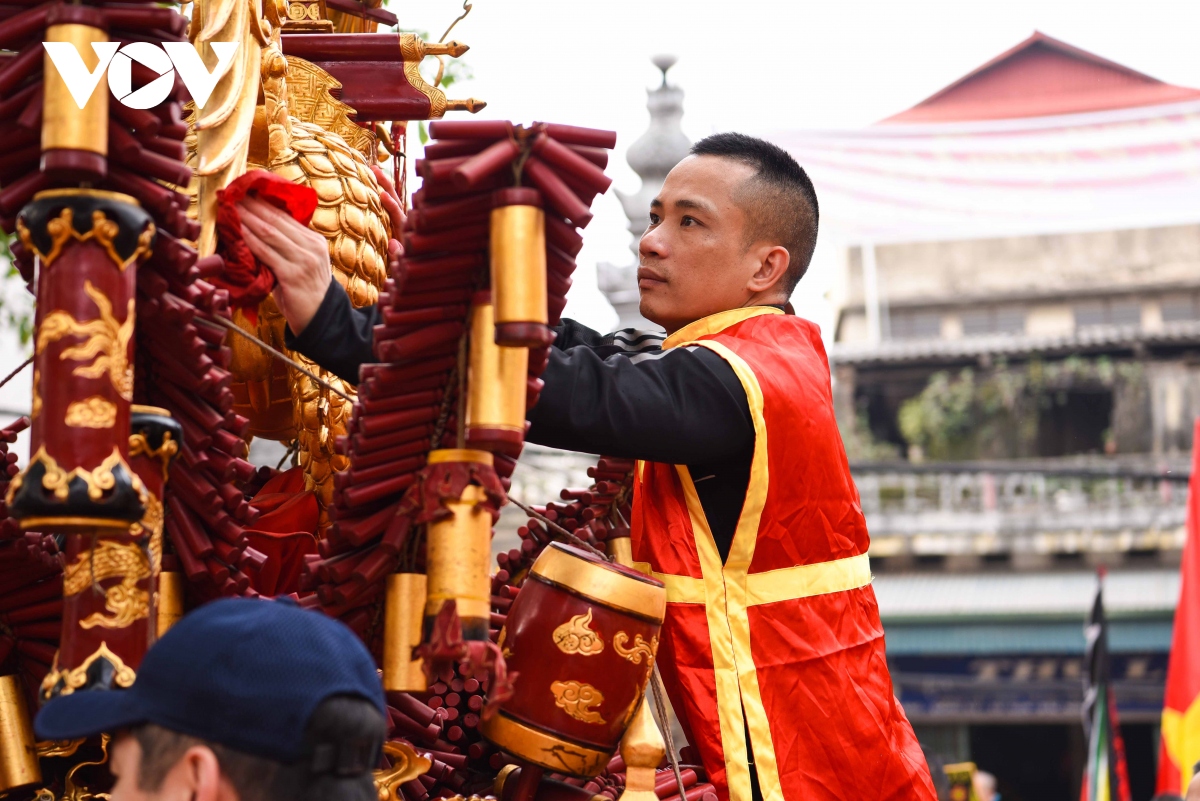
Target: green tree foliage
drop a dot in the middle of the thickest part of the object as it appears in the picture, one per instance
(15, 315)
(995, 413)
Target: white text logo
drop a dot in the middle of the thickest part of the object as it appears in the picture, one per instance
(163, 61)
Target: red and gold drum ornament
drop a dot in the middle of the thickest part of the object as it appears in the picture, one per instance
(582, 635)
(518, 259)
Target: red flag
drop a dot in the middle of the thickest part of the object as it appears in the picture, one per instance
(1181, 705)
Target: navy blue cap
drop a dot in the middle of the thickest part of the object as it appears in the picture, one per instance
(246, 674)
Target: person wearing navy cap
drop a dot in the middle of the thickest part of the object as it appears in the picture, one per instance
(242, 700)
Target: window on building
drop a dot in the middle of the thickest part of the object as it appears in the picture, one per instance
(1010, 321)
(976, 322)
(1090, 313)
(1125, 312)
(1003, 320)
(1119, 311)
(1180, 309)
(1079, 421)
(915, 325)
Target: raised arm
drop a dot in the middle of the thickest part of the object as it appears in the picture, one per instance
(338, 337)
(679, 406)
(616, 394)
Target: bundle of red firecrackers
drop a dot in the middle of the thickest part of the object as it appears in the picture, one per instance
(181, 359)
(144, 146)
(408, 402)
(31, 601)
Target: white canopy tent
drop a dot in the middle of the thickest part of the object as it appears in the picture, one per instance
(1126, 168)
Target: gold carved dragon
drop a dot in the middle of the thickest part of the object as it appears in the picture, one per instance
(106, 345)
(125, 602)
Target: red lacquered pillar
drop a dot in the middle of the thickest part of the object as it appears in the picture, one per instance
(78, 481)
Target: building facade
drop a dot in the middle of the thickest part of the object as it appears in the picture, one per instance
(1015, 362)
(1127, 299)
(1016, 372)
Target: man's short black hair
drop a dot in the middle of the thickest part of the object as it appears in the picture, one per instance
(338, 720)
(780, 201)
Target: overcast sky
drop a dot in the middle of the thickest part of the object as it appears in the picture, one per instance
(758, 66)
(761, 66)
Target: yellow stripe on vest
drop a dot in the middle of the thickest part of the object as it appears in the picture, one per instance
(805, 581)
(680, 589)
(729, 583)
(773, 586)
(715, 324)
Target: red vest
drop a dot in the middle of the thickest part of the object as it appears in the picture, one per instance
(784, 639)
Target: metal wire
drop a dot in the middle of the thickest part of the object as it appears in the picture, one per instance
(657, 690)
(14, 373)
(562, 532)
(295, 365)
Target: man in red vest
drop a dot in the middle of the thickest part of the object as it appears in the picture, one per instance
(772, 650)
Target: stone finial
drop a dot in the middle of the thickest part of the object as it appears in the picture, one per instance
(652, 156)
(664, 62)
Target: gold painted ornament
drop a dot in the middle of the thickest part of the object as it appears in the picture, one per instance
(282, 403)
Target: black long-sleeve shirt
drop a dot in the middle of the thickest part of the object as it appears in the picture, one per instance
(619, 394)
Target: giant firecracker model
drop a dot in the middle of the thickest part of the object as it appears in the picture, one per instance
(153, 368)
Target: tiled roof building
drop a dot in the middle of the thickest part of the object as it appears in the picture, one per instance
(1016, 358)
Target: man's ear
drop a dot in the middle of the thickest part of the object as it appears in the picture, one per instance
(772, 268)
(198, 776)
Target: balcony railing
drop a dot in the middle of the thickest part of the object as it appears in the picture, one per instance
(1038, 507)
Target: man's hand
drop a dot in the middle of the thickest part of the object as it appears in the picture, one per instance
(296, 254)
(299, 256)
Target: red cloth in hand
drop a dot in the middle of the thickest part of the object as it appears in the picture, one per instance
(248, 280)
(285, 531)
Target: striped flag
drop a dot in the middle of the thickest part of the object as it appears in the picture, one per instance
(1106, 777)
